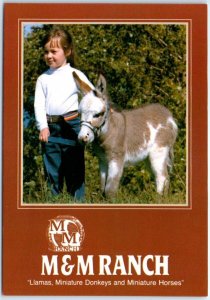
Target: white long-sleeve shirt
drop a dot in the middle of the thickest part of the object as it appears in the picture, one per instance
(56, 93)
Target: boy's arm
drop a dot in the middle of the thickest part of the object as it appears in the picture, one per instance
(39, 107)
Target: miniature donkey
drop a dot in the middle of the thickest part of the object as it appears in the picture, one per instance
(126, 137)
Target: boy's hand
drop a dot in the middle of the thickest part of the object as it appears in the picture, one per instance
(44, 134)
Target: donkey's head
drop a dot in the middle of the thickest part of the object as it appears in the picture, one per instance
(93, 108)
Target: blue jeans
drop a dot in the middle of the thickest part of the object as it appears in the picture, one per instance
(64, 159)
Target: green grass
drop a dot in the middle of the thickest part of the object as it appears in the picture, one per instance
(148, 197)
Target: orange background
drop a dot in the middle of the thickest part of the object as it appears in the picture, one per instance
(178, 232)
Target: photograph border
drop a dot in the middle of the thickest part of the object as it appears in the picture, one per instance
(22, 22)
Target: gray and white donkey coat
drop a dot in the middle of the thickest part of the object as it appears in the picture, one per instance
(126, 137)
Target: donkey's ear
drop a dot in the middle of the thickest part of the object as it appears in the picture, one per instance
(83, 86)
(101, 84)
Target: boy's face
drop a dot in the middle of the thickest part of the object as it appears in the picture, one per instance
(54, 54)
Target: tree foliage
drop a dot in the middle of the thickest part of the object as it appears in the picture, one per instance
(143, 63)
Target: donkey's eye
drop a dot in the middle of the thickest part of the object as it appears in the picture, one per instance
(95, 93)
(98, 115)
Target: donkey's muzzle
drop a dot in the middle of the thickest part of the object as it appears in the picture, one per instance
(87, 133)
(83, 139)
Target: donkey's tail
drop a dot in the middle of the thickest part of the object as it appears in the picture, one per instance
(170, 161)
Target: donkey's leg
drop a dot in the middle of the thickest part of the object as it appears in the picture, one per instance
(159, 159)
(115, 169)
(103, 166)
